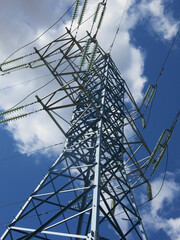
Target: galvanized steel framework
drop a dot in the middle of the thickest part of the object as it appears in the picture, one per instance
(88, 190)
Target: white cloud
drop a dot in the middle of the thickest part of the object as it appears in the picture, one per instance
(160, 20)
(168, 193)
(173, 230)
(27, 22)
(155, 215)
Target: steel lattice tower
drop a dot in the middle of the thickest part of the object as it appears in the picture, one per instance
(88, 191)
(89, 188)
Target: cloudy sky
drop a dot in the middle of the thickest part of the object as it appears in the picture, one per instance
(147, 29)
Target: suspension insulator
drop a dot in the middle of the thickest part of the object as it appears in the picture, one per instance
(161, 155)
(11, 111)
(15, 59)
(25, 65)
(161, 137)
(93, 54)
(143, 122)
(96, 13)
(151, 96)
(147, 93)
(149, 192)
(13, 118)
(85, 52)
(101, 18)
(37, 66)
(157, 147)
(75, 9)
(167, 139)
(82, 12)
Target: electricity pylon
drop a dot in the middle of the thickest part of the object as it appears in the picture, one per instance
(88, 191)
(89, 187)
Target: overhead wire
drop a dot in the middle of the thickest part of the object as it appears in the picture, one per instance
(14, 109)
(28, 64)
(159, 75)
(167, 56)
(117, 31)
(167, 160)
(41, 33)
(11, 204)
(30, 152)
(32, 93)
(25, 65)
(53, 78)
(24, 82)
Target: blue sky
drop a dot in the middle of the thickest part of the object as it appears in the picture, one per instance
(144, 38)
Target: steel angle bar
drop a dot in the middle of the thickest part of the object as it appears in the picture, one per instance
(112, 188)
(64, 191)
(59, 39)
(67, 227)
(80, 143)
(133, 143)
(133, 152)
(39, 200)
(22, 209)
(45, 232)
(70, 73)
(55, 121)
(38, 216)
(64, 55)
(67, 105)
(110, 213)
(135, 162)
(18, 230)
(42, 185)
(135, 129)
(57, 90)
(69, 218)
(52, 71)
(111, 222)
(64, 97)
(61, 117)
(141, 160)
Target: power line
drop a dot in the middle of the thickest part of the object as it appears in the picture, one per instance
(41, 33)
(24, 82)
(26, 65)
(53, 78)
(159, 75)
(11, 204)
(32, 93)
(30, 152)
(117, 31)
(167, 56)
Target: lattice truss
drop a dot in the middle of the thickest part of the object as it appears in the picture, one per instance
(88, 190)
